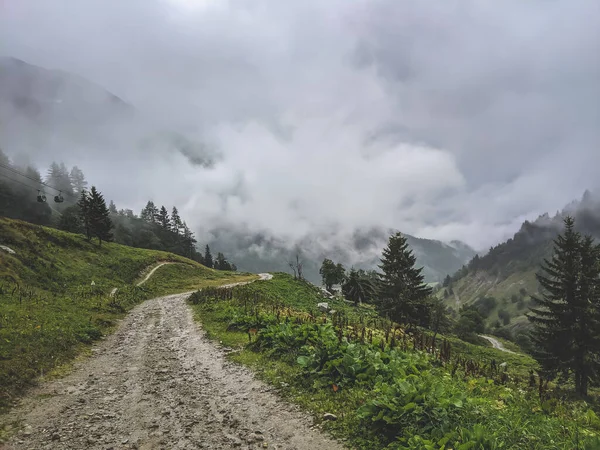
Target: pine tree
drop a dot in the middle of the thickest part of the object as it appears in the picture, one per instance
(208, 259)
(176, 223)
(163, 218)
(566, 317)
(403, 293)
(77, 180)
(221, 262)
(189, 241)
(58, 177)
(357, 287)
(84, 212)
(112, 208)
(99, 217)
(149, 213)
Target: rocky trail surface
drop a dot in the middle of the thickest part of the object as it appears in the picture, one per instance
(158, 382)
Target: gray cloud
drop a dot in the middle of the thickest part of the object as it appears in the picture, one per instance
(446, 119)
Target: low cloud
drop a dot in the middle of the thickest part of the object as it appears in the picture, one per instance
(446, 120)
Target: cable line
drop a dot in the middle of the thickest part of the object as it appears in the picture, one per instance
(20, 182)
(41, 197)
(28, 177)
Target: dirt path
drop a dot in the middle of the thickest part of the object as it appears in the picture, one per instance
(158, 382)
(152, 272)
(496, 343)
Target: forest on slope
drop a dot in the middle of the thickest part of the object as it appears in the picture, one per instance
(52, 200)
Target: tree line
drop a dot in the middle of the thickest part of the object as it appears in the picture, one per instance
(85, 211)
(397, 290)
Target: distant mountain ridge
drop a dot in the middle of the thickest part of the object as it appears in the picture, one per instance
(259, 252)
(52, 109)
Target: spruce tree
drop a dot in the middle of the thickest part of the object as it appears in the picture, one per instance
(208, 259)
(176, 223)
(112, 208)
(403, 294)
(149, 213)
(77, 180)
(163, 219)
(189, 241)
(99, 217)
(357, 287)
(221, 262)
(58, 177)
(84, 212)
(565, 319)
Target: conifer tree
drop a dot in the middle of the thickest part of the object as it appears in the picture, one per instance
(84, 212)
(112, 208)
(357, 287)
(58, 177)
(208, 259)
(77, 180)
(189, 241)
(176, 223)
(150, 212)
(99, 217)
(566, 317)
(403, 294)
(163, 218)
(221, 262)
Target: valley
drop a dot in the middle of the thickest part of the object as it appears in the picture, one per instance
(298, 225)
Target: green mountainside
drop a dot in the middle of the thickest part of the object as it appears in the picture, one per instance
(502, 281)
(55, 294)
(260, 252)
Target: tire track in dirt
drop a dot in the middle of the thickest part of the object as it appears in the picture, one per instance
(158, 382)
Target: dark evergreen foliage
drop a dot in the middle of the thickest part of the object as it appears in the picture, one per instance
(566, 317)
(163, 219)
(97, 216)
(153, 229)
(208, 259)
(403, 295)
(221, 263)
(359, 287)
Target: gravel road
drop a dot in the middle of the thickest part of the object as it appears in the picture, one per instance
(158, 382)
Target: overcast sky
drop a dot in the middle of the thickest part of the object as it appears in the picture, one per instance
(444, 119)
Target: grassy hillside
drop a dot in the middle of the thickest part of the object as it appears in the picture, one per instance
(511, 294)
(507, 272)
(55, 295)
(389, 393)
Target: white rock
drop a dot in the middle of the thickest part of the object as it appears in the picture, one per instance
(7, 249)
(323, 306)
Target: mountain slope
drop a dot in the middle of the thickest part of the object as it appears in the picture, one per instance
(53, 110)
(259, 252)
(507, 272)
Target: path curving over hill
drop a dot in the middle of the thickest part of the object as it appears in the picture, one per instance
(149, 275)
